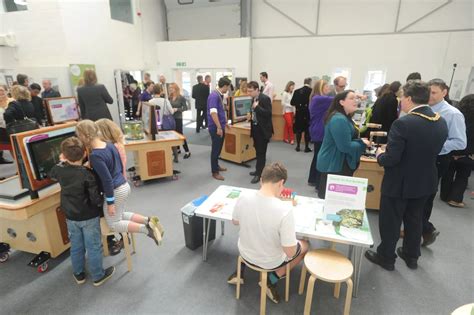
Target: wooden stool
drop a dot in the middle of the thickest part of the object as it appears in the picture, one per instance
(105, 230)
(263, 283)
(330, 266)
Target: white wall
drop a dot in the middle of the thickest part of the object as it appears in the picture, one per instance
(215, 53)
(55, 33)
(430, 54)
(286, 45)
(191, 22)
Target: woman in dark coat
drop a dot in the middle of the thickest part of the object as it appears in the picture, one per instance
(300, 101)
(21, 107)
(93, 98)
(385, 110)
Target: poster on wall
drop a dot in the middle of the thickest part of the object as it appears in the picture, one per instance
(470, 83)
(76, 72)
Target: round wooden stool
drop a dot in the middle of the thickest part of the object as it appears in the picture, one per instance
(467, 309)
(330, 266)
(263, 282)
(105, 231)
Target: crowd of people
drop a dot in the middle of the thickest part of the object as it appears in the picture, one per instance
(429, 141)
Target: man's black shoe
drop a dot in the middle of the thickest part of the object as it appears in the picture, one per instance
(373, 257)
(255, 180)
(253, 173)
(307, 150)
(411, 263)
(297, 149)
(5, 161)
(429, 238)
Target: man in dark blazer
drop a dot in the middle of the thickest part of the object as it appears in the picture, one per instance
(414, 143)
(300, 101)
(261, 129)
(200, 94)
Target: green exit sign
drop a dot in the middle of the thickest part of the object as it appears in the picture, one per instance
(180, 64)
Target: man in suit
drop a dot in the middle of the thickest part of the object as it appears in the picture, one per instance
(261, 129)
(300, 101)
(410, 176)
(200, 94)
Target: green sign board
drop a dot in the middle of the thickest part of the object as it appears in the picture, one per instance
(180, 64)
(76, 72)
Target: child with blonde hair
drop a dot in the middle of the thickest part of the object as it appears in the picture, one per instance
(105, 160)
(110, 132)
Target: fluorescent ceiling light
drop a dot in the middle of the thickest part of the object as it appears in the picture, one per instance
(20, 2)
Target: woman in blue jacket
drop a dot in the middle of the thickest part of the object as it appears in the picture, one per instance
(341, 149)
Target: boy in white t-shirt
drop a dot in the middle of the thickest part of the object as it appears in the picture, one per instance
(267, 229)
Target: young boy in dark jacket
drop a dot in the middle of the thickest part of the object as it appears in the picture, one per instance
(81, 202)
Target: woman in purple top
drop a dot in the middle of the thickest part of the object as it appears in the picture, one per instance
(319, 104)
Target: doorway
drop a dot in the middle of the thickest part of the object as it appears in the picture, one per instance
(186, 78)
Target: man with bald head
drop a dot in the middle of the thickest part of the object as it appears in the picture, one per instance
(48, 91)
(340, 84)
(164, 86)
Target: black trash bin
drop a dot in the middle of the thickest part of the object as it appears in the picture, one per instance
(192, 226)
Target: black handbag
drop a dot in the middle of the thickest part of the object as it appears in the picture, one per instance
(21, 125)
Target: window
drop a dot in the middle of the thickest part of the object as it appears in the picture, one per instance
(15, 5)
(374, 79)
(342, 72)
(121, 10)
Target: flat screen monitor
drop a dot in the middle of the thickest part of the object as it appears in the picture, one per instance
(37, 151)
(62, 109)
(241, 106)
(44, 153)
(149, 120)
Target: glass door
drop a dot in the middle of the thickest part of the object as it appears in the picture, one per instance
(187, 78)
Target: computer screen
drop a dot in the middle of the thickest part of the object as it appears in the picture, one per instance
(44, 154)
(62, 109)
(241, 107)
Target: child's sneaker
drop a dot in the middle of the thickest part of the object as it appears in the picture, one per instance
(108, 273)
(156, 222)
(233, 279)
(272, 292)
(80, 278)
(154, 234)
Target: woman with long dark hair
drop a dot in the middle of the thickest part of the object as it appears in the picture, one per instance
(454, 183)
(318, 106)
(341, 148)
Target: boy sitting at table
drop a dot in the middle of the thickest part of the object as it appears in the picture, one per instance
(267, 237)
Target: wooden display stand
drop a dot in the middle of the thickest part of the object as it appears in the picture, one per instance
(154, 158)
(35, 226)
(238, 144)
(277, 120)
(370, 169)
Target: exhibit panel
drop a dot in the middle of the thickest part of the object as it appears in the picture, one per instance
(238, 144)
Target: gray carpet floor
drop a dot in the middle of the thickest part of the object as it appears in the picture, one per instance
(172, 279)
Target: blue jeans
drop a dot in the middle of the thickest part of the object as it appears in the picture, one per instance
(217, 143)
(85, 237)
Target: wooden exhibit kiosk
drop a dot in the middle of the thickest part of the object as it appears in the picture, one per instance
(30, 216)
(370, 169)
(152, 150)
(238, 144)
